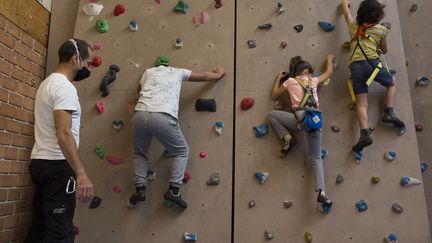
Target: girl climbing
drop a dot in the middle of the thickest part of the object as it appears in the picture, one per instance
(368, 41)
(306, 116)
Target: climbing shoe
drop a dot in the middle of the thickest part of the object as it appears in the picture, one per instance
(323, 199)
(392, 119)
(288, 144)
(364, 140)
(138, 196)
(175, 198)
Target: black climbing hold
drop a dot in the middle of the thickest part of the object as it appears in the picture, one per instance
(265, 26)
(95, 202)
(214, 179)
(251, 204)
(326, 26)
(414, 7)
(298, 28)
(251, 43)
(205, 105)
(422, 81)
(339, 179)
(109, 78)
(397, 208)
(335, 128)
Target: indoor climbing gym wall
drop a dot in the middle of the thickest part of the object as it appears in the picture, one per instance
(207, 35)
(261, 196)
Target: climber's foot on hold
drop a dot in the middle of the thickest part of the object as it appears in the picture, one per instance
(138, 196)
(390, 118)
(289, 142)
(364, 141)
(325, 203)
(173, 195)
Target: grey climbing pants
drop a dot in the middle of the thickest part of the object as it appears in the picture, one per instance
(166, 129)
(283, 122)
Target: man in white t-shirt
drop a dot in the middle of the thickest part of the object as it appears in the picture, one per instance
(55, 168)
(156, 115)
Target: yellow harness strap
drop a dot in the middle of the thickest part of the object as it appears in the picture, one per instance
(307, 93)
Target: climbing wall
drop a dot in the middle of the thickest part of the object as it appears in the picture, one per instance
(418, 54)
(205, 46)
(291, 178)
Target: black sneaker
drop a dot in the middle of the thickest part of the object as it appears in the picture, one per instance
(138, 196)
(324, 199)
(363, 142)
(287, 147)
(177, 199)
(392, 119)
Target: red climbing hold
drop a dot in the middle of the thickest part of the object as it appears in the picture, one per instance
(218, 4)
(158, 1)
(100, 107)
(115, 160)
(418, 127)
(247, 103)
(203, 154)
(186, 177)
(76, 230)
(97, 61)
(119, 10)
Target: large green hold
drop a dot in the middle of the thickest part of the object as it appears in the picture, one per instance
(181, 7)
(102, 25)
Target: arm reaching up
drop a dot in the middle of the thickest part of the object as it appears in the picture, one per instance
(346, 11)
(215, 75)
(278, 89)
(329, 70)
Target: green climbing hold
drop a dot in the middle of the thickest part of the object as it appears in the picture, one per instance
(100, 152)
(102, 25)
(181, 7)
(168, 204)
(162, 60)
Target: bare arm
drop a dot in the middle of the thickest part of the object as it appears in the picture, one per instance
(215, 75)
(383, 46)
(347, 12)
(329, 70)
(278, 89)
(66, 141)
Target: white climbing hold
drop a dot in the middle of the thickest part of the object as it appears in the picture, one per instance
(92, 9)
(218, 127)
(178, 43)
(262, 177)
(280, 7)
(390, 155)
(410, 181)
(133, 26)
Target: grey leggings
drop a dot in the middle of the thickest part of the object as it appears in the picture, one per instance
(166, 129)
(283, 122)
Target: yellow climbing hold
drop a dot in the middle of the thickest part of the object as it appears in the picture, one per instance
(308, 236)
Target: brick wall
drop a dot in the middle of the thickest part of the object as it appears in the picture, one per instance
(22, 68)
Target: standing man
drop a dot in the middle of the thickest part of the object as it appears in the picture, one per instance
(156, 115)
(56, 168)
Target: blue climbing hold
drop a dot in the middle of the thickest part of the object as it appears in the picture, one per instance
(391, 238)
(117, 124)
(361, 206)
(262, 176)
(325, 208)
(390, 155)
(324, 153)
(423, 166)
(326, 26)
(358, 157)
(261, 130)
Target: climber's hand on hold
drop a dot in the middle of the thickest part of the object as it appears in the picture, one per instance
(330, 57)
(345, 3)
(85, 188)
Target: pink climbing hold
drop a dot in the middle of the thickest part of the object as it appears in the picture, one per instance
(418, 127)
(218, 4)
(116, 189)
(114, 160)
(204, 17)
(203, 154)
(97, 46)
(119, 10)
(195, 20)
(158, 1)
(186, 177)
(97, 61)
(76, 230)
(100, 107)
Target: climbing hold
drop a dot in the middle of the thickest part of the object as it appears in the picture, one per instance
(186, 177)
(375, 179)
(391, 238)
(261, 130)
(280, 7)
(268, 234)
(358, 157)
(397, 208)
(100, 152)
(114, 160)
(361, 206)
(204, 17)
(117, 124)
(181, 7)
(97, 46)
(251, 43)
(308, 237)
(409, 181)
(422, 81)
(214, 179)
(109, 78)
(335, 128)
(278, 105)
(102, 25)
(423, 166)
(298, 28)
(151, 175)
(414, 7)
(401, 130)
(97, 61)
(326, 26)
(406, 62)
(92, 9)
(202, 154)
(218, 127)
(168, 204)
(324, 208)
(284, 44)
(158, 1)
(116, 189)
(195, 20)
(247, 103)
(205, 105)
(262, 176)
(95, 202)
(346, 45)
(100, 107)
(178, 43)
(251, 204)
(119, 10)
(339, 179)
(390, 155)
(76, 230)
(388, 25)
(190, 236)
(287, 204)
(133, 26)
(324, 153)
(418, 127)
(218, 4)
(265, 26)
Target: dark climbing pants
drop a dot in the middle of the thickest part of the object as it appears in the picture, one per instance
(166, 129)
(53, 208)
(283, 122)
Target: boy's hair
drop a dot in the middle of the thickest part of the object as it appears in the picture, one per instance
(67, 50)
(370, 12)
(298, 65)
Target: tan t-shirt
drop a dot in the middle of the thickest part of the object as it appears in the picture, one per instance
(370, 45)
